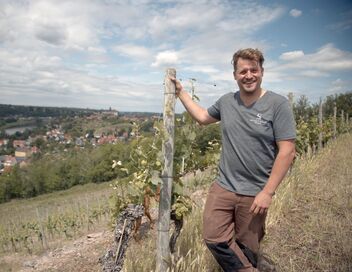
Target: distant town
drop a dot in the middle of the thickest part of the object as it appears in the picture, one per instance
(25, 134)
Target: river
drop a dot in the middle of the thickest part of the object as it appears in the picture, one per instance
(13, 130)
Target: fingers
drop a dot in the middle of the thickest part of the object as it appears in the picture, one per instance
(178, 85)
(255, 209)
(258, 210)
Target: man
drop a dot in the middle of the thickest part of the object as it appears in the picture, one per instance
(258, 133)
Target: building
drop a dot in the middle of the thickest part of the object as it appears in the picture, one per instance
(19, 144)
(22, 152)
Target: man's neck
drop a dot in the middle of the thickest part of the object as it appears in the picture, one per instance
(249, 98)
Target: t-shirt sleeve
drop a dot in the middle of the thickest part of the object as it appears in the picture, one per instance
(214, 110)
(284, 123)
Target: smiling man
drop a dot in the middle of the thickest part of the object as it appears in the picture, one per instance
(258, 132)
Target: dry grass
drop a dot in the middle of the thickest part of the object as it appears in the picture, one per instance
(310, 222)
(191, 253)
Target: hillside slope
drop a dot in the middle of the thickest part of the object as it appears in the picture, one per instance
(310, 223)
(308, 228)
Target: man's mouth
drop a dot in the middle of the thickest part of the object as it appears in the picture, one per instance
(249, 83)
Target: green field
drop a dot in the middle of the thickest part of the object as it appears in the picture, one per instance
(34, 224)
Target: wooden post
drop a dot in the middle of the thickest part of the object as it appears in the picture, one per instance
(347, 119)
(334, 120)
(41, 229)
(290, 99)
(342, 126)
(163, 249)
(320, 124)
(342, 117)
(192, 80)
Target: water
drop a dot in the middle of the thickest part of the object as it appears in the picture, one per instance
(13, 130)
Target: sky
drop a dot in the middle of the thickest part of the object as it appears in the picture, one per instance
(113, 53)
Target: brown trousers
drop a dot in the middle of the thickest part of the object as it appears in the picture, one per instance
(230, 231)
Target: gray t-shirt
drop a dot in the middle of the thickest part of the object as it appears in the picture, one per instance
(249, 136)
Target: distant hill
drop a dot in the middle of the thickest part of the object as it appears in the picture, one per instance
(40, 111)
(8, 110)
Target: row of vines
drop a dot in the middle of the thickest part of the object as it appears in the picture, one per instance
(316, 129)
(53, 224)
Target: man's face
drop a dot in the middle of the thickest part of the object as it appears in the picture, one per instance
(248, 75)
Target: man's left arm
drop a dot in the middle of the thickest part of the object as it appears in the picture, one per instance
(281, 165)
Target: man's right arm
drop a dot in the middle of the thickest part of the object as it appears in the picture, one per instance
(197, 112)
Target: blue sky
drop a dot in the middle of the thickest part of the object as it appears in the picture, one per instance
(101, 54)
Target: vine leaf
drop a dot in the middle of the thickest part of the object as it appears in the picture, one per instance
(155, 179)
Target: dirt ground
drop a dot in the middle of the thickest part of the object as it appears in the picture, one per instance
(81, 255)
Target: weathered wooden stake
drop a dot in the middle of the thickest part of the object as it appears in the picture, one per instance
(334, 120)
(163, 250)
(320, 125)
(342, 118)
(347, 119)
(290, 99)
(41, 229)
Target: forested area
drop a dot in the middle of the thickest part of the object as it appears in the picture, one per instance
(38, 111)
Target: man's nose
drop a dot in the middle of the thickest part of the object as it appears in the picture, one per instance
(248, 74)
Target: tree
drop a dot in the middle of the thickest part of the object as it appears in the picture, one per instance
(342, 102)
(302, 108)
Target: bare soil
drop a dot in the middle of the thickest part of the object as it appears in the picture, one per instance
(81, 254)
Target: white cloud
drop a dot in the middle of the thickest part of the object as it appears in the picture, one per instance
(345, 22)
(97, 50)
(313, 73)
(339, 85)
(292, 55)
(132, 51)
(208, 69)
(166, 58)
(328, 58)
(295, 13)
(341, 26)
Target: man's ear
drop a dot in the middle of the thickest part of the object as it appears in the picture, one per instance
(234, 74)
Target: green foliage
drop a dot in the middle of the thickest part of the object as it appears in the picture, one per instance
(303, 109)
(51, 173)
(341, 101)
(196, 148)
(307, 125)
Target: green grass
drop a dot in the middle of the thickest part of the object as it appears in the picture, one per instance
(36, 224)
(26, 208)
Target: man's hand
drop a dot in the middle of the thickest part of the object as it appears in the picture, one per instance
(178, 85)
(261, 203)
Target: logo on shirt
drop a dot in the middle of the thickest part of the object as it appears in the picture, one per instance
(259, 120)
